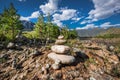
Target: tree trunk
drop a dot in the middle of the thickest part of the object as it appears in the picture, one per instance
(13, 34)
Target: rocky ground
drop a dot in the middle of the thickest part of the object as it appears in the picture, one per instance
(94, 61)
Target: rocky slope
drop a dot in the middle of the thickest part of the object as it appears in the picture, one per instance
(94, 61)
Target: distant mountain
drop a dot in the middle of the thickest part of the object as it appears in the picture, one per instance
(27, 25)
(90, 32)
(110, 33)
(112, 30)
(98, 31)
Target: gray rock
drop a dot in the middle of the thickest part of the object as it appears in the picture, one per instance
(56, 66)
(14, 77)
(45, 77)
(47, 66)
(64, 59)
(4, 56)
(35, 53)
(111, 48)
(1, 46)
(60, 49)
(14, 63)
(11, 45)
(92, 78)
(44, 70)
(76, 49)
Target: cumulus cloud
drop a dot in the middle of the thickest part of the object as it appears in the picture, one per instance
(104, 25)
(24, 18)
(59, 14)
(64, 15)
(22, 0)
(104, 9)
(33, 15)
(59, 23)
(88, 26)
(50, 7)
(76, 18)
(108, 24)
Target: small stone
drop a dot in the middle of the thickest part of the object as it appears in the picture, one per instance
(60, 37)
(64, 59)
(76, 49)
(80, 78)
(14, 77)
(14, 63)
(44, 70)
(45, 77)
(60, 49)
(57, 75)
(4, 56)
(92, 78)
(57, 62)
(11, 45)
(37, 65)
(35, 53)
(47, 66)
(111, 48)
(113, 58)
(60, 42)
(55, 66)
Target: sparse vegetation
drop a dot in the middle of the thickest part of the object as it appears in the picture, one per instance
(10, 24)
(110, 33)
(105, 36)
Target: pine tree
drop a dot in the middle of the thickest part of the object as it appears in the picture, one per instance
(14, 22)
(52, 29)
(39, 27)
(11, 21)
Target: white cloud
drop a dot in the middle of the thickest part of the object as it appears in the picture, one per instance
(22, 0)
(59, 14)
(49, 7)
(104, 9)
(64, 15)
(108, 24)
(88, 26)
(24, 18)
(76, 19)
(33, 15)
(104, 25)
(59, 23)
(84, 22)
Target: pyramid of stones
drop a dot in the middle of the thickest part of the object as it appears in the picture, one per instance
(60, 53)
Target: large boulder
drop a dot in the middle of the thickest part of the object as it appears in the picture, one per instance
(60, 49)
(64, 59)
(60, 42)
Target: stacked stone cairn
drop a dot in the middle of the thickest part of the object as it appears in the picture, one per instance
(60, 53)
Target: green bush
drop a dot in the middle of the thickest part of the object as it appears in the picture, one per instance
(68, 34)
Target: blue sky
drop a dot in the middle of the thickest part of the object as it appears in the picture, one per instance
(77, 14)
